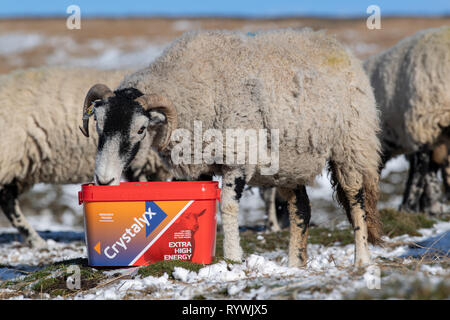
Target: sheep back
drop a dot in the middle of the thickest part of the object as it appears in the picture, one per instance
(412, 88)
(303, 83)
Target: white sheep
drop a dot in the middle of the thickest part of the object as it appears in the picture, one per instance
(40, 139)
(411, 83)
(302, 84)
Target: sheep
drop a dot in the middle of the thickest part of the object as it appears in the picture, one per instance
(40, 140)
(412, 88)
(301, 86)
(277, 215)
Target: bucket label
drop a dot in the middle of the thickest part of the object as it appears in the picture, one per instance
(141, 232)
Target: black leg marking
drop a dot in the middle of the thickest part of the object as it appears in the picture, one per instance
(359, 198)
(281, 206)
(423, 191)
(419, 166)
(302, 254)
(239, 184)
(303, 208)
(431, 199)
(8, 197)
(445, 177)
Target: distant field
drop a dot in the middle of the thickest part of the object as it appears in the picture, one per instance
(110, 43)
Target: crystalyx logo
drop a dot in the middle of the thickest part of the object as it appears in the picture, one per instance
(150, 219)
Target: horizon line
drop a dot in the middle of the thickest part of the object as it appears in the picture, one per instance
(225, 15)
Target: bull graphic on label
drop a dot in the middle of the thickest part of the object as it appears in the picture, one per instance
(184, 250)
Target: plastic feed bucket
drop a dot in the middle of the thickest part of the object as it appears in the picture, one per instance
(139, 223)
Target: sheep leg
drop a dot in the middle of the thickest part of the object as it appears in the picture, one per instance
(10, 206)
(233, 183)
(299, 216)
(353, 200)
(282, 212)
(349, 186)
(268, 194)
(358, 216)
(431, 199)
(419, 166)
(445, 169)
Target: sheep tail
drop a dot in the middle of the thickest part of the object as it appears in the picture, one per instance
(371, 192)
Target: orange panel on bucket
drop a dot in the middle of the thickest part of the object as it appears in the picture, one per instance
(127, 225)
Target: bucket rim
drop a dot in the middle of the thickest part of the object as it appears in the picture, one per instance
(150, 191)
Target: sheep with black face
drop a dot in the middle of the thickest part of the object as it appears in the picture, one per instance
(302, 83)
(122, 131)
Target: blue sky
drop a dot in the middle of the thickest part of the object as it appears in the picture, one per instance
(255, 8)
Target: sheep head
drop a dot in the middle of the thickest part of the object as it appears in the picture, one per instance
(128, 123)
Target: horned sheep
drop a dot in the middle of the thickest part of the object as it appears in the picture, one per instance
(40, 139)
(411, 83)
(302, 83)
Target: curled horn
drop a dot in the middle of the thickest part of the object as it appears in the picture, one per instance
(96, 92)
(154, 101)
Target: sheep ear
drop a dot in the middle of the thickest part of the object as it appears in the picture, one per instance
(156, 103)
(156, 118)
(157, 125)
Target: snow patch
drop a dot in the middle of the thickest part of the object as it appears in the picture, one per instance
(14, 43)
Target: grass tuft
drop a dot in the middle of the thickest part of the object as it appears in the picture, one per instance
(158, 268)
(52, 279)
(397, 223)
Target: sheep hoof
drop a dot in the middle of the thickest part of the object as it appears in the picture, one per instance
(235, 258)
(296, 263)
(234, 255)
(275, 228)
(272, 227)
(36, 242)
(436, 209)
(447, 196)
(362, 263)
(409, 208)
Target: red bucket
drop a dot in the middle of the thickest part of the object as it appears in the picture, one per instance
(139, 223)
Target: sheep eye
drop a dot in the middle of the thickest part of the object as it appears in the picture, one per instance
(141, 130)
